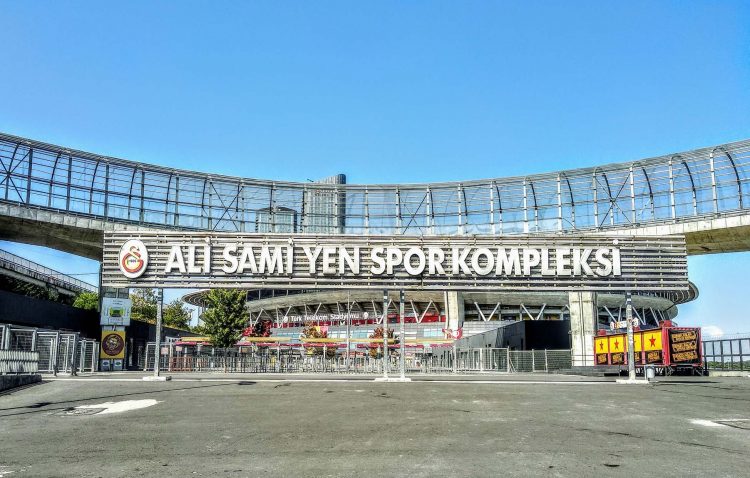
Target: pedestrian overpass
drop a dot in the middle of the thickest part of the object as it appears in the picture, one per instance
(62, 198)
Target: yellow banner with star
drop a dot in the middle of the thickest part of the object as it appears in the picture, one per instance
(652, 340)
(601, 345)
(617, 343)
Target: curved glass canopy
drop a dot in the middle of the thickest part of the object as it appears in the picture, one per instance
(704, 182)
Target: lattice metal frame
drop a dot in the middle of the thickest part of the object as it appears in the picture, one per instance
(700, 183)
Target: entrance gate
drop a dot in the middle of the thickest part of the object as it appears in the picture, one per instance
(335, 262)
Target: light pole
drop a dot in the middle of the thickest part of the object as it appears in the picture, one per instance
(385, 334)
(157, 340)
(402, 341)
(348, 329)
(631, 341)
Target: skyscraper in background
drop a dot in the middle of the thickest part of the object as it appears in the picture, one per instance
(277, 220)
(325, 209)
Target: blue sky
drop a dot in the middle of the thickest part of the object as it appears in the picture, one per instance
(385, 92)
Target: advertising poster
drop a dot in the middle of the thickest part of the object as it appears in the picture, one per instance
(113, 344)
(654, 357)
(617, 343)
(683, 346)
(115, 311)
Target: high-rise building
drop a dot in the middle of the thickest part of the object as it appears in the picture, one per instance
(325, 208)
(276, 219)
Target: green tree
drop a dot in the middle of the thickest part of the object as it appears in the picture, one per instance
(199, 329)
(176, 315)
(225, 317)
(87, 300)
(144, 305)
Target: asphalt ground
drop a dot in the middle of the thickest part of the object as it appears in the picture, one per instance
(251, 425)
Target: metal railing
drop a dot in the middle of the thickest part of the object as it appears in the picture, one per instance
(55, 351)
(727, 353)
(37, 271)
(298, 360)
(700, 183)
(88, 355)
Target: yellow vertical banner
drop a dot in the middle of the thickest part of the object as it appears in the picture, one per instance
(652, 340)
(113, 344)
(617, 343)
(601, 345)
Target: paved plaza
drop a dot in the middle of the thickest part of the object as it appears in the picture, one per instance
(247, 425)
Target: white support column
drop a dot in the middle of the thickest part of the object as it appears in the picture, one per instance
(157, 340)
(454, 310)
(157, 336)
(583, 325)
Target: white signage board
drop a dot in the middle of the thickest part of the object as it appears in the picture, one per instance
(115, 311)
(173, 259)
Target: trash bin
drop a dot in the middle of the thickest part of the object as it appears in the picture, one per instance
(650, 373)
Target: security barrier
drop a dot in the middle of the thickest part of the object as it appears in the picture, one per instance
(290, 359)
(18, 361)
(88, 355)
(54, 351)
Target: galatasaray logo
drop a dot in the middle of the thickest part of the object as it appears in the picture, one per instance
(112, 345)
(133, 259)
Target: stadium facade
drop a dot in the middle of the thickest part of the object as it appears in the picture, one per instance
(66, 199)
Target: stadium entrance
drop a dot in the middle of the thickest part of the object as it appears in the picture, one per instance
(305, 268)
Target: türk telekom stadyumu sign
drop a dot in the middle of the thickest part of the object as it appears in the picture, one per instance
(533, 262)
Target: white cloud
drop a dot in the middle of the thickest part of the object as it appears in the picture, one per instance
(711, 331)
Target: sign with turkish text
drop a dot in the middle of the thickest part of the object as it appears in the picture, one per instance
(683, 346)
(525, 262)
(654, 357)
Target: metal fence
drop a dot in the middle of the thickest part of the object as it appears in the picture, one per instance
(18, 361)
(55, 351)
(300, 360)
(88, 355)
(727, 353)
